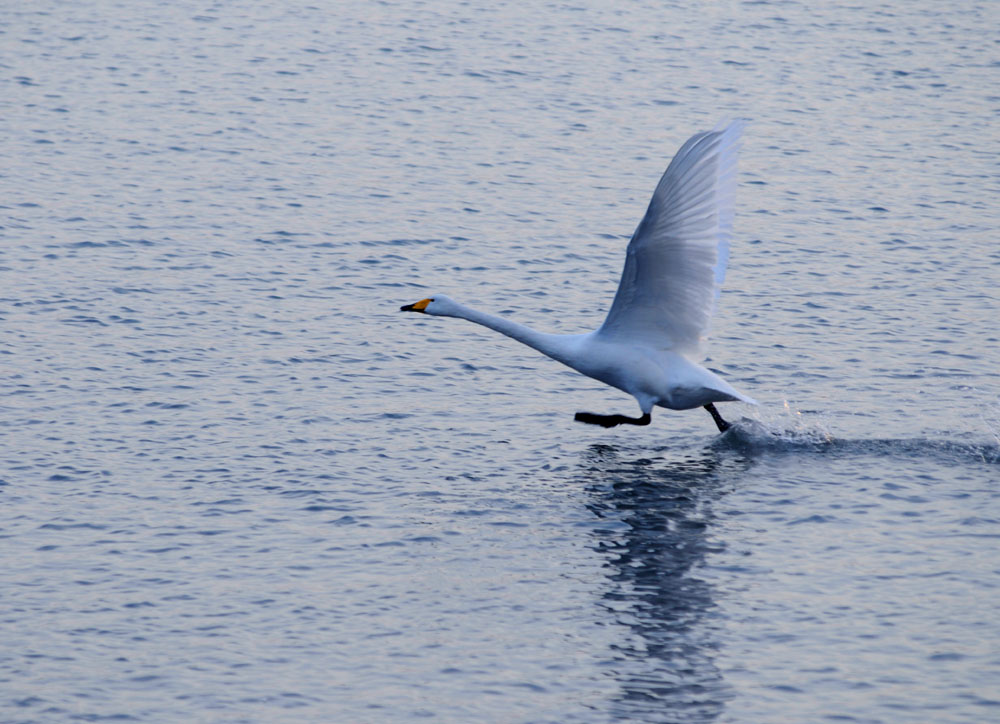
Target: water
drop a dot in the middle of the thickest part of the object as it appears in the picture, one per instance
(238, 486)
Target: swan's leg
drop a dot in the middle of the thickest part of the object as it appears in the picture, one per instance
(723, 425)
(612, 420)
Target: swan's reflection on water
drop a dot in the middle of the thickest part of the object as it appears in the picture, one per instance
(654, 522)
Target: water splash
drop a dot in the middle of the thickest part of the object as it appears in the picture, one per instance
(990, 416)
(788, 430)
(784, 429)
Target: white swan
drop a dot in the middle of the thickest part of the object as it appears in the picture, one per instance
(674, 266)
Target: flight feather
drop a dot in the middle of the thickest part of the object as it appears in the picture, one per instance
(676, 260)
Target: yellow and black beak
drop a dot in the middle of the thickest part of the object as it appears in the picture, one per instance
(416, 306)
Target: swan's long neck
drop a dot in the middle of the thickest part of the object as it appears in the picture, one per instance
(556, 346)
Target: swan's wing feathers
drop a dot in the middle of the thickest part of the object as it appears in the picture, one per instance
(677, 257)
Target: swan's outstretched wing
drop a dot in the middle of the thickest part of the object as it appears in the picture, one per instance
(676, 260)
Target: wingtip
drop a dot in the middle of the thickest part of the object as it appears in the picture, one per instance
(732, 126)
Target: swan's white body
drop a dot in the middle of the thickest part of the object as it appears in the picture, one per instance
(674, 266)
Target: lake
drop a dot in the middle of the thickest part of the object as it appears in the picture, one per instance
(238, 485)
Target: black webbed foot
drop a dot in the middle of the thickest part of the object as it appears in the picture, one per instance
(611, 420)
(722, 424)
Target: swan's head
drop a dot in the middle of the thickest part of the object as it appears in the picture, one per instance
(438, 305)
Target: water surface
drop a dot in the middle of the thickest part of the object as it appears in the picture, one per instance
(238, 486)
